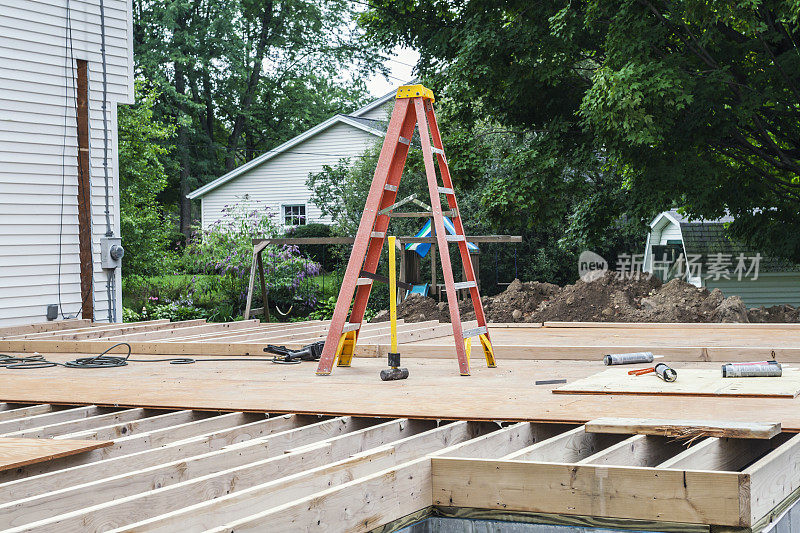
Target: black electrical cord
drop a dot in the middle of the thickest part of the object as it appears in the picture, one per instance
(114, 361)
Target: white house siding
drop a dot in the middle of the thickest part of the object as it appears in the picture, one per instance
(36, 148)
(282, 180)
(665, 230)
(769, 289)
(670, 232)
(381, 112)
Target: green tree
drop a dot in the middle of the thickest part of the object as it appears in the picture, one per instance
(241, 76)
(143, 143)
(494, 169)
(655, 103)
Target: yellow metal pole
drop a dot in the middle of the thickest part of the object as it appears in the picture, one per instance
(392, 295)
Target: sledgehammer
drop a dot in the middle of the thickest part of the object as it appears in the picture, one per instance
(394, 372)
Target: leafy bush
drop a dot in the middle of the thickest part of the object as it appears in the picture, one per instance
(144, 141)
(325, 311)
(324, 254)
(226, 249)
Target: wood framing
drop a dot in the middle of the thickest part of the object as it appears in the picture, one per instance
(676, 342)
(188, 471)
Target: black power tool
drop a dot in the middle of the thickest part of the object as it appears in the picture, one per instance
(309, 352)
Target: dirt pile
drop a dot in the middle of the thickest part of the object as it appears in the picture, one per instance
(606, 299)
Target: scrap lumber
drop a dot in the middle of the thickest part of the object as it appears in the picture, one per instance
(685, 428)
(19, 452)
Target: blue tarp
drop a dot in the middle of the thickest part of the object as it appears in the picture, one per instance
(423, 248)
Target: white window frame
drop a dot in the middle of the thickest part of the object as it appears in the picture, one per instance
(302, 219)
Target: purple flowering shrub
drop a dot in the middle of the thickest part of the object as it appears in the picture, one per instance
(225, 248)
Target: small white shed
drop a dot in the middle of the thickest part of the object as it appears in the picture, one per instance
(278, 177)
(702, 253)
(52, 60)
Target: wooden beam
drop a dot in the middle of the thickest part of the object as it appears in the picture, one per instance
(71, 426)
(568, 447)
(773, 478)
(45, 335)
(360, 461)
(121, 329)
(685, 428)
(50, 417)
(40, 327)
(85, 232)
(211, 475)
(305, 240)
(136, 452)
(25, 412)
(181, 329)
(715, 453)
(366, 502)
(592, 490)
(16, 453)
(639, 450)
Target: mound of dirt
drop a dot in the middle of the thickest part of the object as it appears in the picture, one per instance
(608, 298)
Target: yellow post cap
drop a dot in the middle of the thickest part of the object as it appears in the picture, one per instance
(412, 91)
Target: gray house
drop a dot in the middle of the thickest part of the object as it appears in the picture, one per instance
(702, 253)
(59, 90)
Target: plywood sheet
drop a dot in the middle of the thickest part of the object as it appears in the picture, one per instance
(15, 453)
(691, 382)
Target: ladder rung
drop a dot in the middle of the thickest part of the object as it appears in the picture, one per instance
(437, 150)
(445, 190)
(363, 281)
(474, 332)
(455, 238)
(378, 234)
(464, 285)
(404, 140)
(352, 327)
(388, 187)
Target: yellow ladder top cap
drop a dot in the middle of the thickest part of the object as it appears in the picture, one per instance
(412, 91)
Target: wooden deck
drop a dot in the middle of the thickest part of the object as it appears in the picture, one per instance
(251, 445)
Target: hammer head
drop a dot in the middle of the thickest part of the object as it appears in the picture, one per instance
(393, 374)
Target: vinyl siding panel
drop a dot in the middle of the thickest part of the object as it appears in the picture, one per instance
(670, 232)
(769, 289)
(382, 112)
(282, 179)
(38, 150)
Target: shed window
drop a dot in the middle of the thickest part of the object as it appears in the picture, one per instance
(294, 215)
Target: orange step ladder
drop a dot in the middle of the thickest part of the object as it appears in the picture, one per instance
(413, 106)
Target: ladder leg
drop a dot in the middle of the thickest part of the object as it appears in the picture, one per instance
(463, 249)
(387, 165)
(441, 236)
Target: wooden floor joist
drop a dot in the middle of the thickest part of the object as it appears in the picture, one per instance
(556, 340)
(252, 472)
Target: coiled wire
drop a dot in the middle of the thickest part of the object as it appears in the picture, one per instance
(109, 361)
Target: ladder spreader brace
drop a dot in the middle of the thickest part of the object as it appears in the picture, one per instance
(413, 107)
